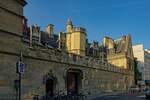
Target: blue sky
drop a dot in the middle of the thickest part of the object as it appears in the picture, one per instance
(101, 18)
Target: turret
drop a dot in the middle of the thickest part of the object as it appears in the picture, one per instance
(69, 26)
(75, 39)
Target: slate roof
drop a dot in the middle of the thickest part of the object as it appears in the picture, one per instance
(51, 42)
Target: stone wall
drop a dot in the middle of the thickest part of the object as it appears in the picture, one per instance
(11, 27)
(11, 13)
(14, 6)
(97, 76)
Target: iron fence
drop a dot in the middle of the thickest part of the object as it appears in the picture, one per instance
(61, 97)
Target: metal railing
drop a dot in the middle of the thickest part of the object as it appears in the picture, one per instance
(61, 97)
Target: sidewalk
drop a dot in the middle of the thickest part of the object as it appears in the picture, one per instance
(103, 94)
(123, 93)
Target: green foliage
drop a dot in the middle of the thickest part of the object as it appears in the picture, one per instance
(137, 74)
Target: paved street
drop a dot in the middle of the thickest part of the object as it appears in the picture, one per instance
(121, 97)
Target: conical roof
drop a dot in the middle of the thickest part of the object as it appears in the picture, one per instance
(69, 22)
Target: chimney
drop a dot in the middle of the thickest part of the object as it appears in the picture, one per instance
(50, 29)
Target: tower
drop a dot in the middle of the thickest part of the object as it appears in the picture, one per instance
(69, 26)
(75, 39)
(69, 29)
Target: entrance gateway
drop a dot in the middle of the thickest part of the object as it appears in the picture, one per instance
(73, 82)
(50, 87)
(50, 83)
(74, 77)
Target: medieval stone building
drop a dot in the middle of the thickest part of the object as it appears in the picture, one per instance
(119, 52)
(56, 64)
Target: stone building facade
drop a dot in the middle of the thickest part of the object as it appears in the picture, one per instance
(50, 70)
(76, 39)
(119, 52)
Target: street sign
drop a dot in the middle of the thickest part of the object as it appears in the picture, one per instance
(20, 67)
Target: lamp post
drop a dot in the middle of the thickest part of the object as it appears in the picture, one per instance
(20, 69)
(19, 86)
(16, 86)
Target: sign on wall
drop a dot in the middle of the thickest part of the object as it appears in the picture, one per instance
(20, 67)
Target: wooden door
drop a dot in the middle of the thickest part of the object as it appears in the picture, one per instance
(72, 83)
(50, 87)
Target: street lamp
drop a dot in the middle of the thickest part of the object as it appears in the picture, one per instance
(16, 86)
(20, 66)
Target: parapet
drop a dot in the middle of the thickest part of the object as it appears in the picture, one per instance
(80, 29)
(58, 56)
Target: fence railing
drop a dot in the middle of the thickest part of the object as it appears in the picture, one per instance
(60, 97)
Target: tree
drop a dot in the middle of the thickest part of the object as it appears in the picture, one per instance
(137, 74)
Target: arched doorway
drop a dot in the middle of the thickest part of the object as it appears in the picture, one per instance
(50, 83)
(49, 87)
(73, 78)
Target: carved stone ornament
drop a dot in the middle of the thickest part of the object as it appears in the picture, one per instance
(49, 75)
